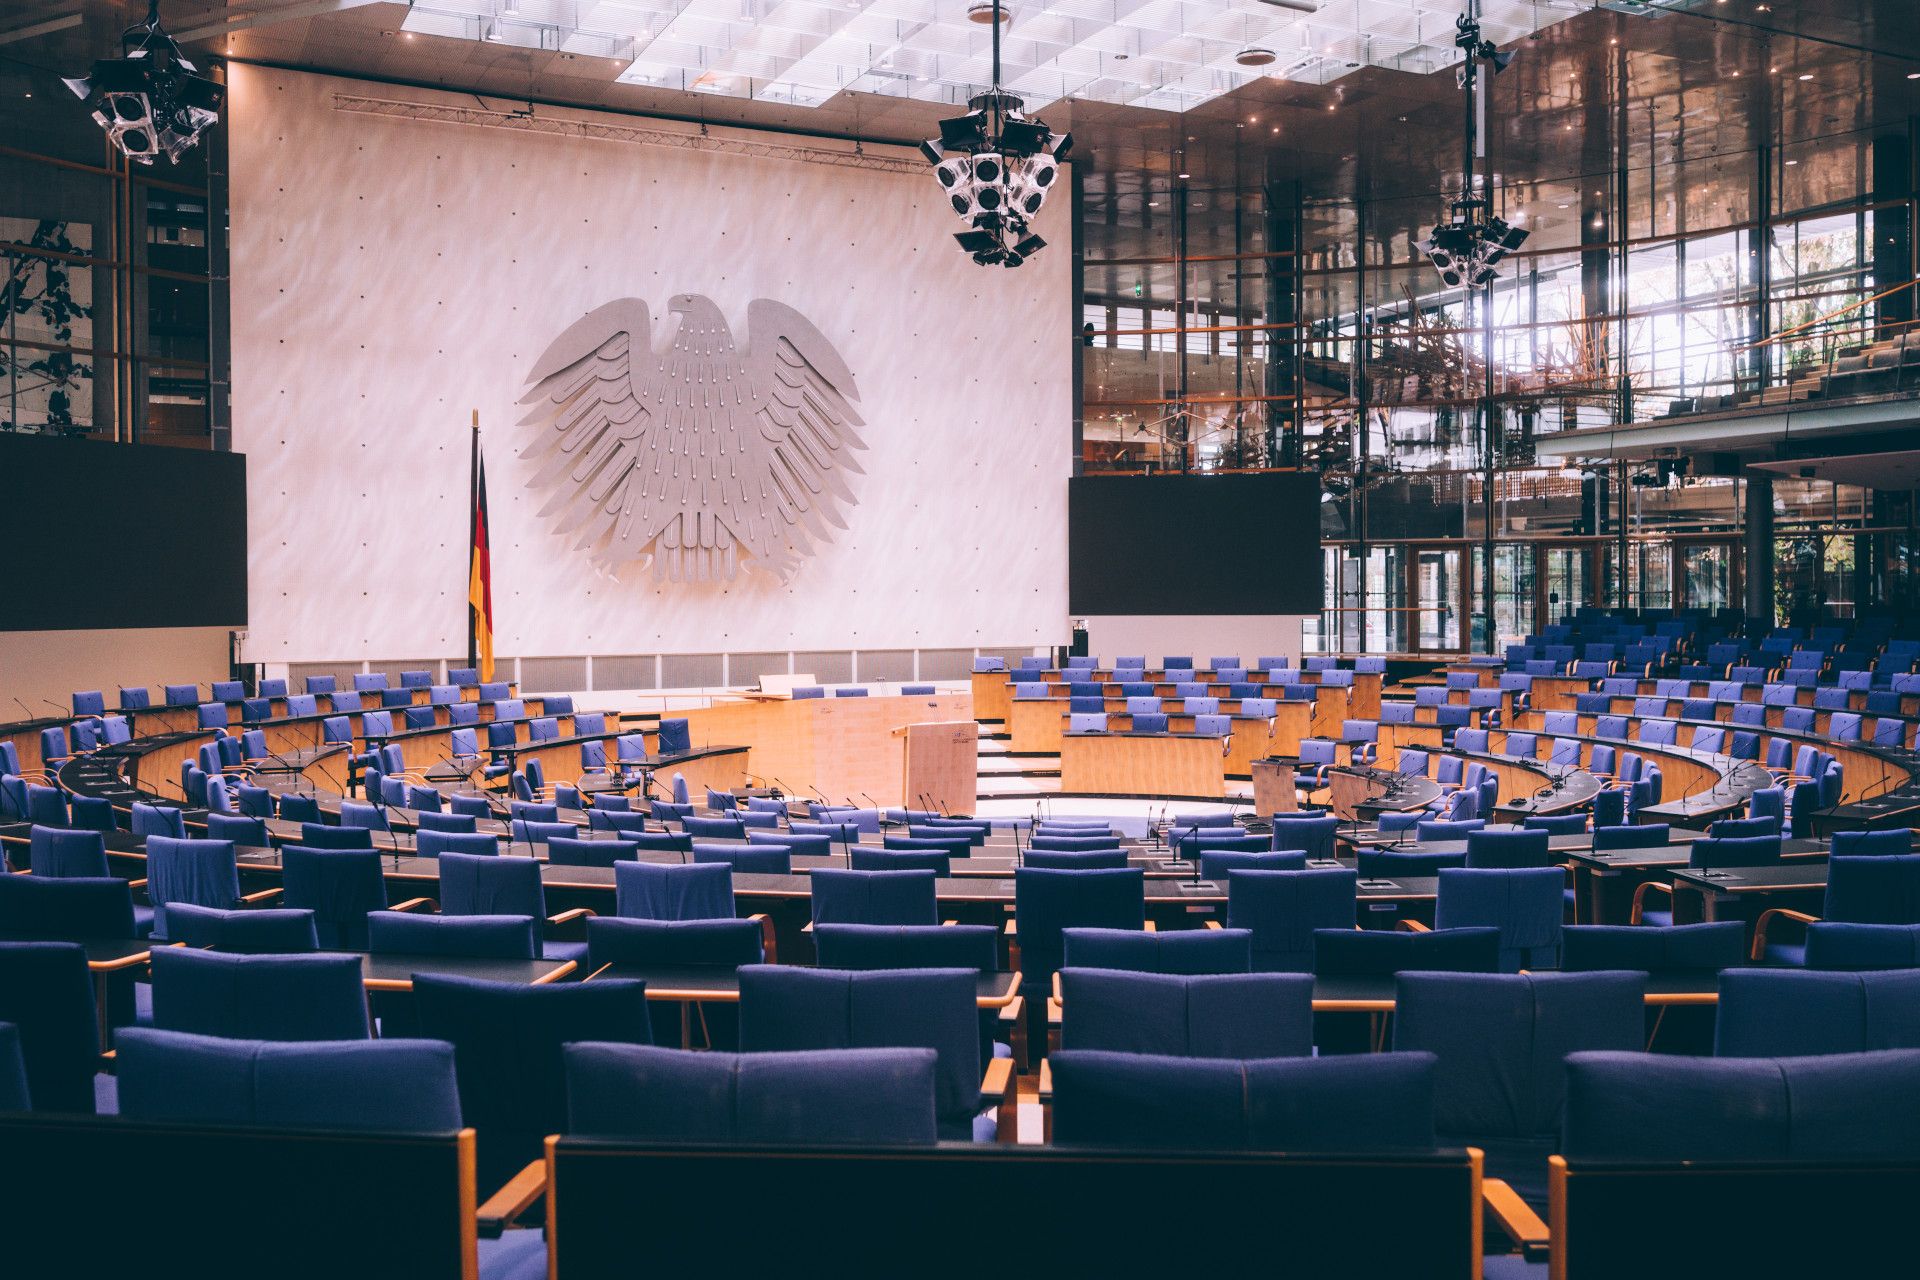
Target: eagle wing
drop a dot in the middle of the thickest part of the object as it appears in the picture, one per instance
(595, 396)
(806, 422)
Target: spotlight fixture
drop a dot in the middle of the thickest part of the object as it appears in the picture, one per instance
(149, 99)
(1467, 250)
(996, 165)
(1255, 56)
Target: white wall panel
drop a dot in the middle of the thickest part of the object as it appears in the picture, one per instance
(392, 275)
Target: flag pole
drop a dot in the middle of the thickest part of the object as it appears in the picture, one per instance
(473, 520)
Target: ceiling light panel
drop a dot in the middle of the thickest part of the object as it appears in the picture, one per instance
(1170, 55)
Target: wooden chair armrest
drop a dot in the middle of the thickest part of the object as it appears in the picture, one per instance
(265, 895)
(108, 1060)
(998, 1091)
(141, 883)
(1766, 918)
(1412, 926)
(573, 923)
(1213, 924)
(514, 1199)
(1014, 1018)
(807, 927)
(949, 924)
(1520, 1223)
(568, 917)
(1046, 1100)
(1011, 929)
(427, 905)
(765, 922)
(1640, 897)
(1151, 927)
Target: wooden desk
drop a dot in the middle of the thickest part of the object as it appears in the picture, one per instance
(1604, 880)
(387, 972)
(844, 748)
(1143, 764)
(992, 695)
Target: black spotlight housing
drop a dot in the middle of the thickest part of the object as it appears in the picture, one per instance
(151, 101)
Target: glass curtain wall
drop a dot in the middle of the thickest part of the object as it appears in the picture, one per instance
(1276, 319)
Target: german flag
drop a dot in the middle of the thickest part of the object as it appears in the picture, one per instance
(479, 571)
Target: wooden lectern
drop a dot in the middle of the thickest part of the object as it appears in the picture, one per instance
(941, 766)
(1273, 787)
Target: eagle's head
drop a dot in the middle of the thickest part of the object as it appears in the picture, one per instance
(702, 328)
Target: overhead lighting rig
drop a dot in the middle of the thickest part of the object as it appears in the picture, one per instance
(996, 166)
(150, 100)
(1467, 250)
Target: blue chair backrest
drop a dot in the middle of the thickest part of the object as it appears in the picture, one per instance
(872, 946)
(201, 873)
(675, 736)
(691, 891)
(491, 886)
(1853, 844)
(705, 944)
(380, 1085)
(1734, 851)
(1876, 889)
(1177, 951)
(749, 859)
(1283, 909)
(1371, 1102)
(259, 997)
(1508, 847)
(1525, 905)
(785, 1007)
(1652, 835)
(65, 854)
(1313, 835)
(1048, 901)
(1782, 1013)
(881, 1096)
(1683, 948)
(340, 886)
(1221, 1015)
(1655, 1107)
(1502, 1039)
(873, 897)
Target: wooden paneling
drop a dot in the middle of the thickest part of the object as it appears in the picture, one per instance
(843, 748)
(1142, 764)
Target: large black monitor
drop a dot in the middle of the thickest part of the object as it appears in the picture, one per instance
(102, 535)
(1194, 544)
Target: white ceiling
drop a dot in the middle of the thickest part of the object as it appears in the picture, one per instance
(1170, 55)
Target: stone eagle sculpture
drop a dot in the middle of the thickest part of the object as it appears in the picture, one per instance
(702, 459)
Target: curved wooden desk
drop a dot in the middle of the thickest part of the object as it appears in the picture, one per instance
(1143, 764)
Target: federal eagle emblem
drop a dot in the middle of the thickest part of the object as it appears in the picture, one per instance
(700, 460)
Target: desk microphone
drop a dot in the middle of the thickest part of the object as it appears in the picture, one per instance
(24, 707)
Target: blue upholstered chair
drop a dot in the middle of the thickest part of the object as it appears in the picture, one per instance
(201, 873)
(725, 943)
(878, 1096)
(786, 1007)
(259, 997)
(1183, 951)
(46, 994)
(1856, 844)
(1224, 1015)
(565, 852)
(507, 1038)
(13, 1071)
(1282, 910)
(873, 897)
(1639, 1107)
(1707, 853)
(65, 854)
(1047, 841)
(1371, 1102)
(501, 937)
(340, 886)
(693, 891)
(317, 835)
(1842, 945)
(747, 859)
(1686, 948)
(1353, 953)
(41, 908)
(1076, 859)
(430, 842)
(937, 861)
(1508, 848)
(1312, 834)
(867, 946)
(499, 886)
(1526, 905)
(1047, 902)
(384, 1085)
(1501, 1040)
(1569, 824)
(268, 931)
(1783, 1013)
(1218, 863)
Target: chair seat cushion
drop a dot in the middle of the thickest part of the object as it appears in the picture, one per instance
(574, 951)
(1498, 1266)
(142, 920)
(1787, 953)
(515, 1255)
(986, 1127)
(1659, 919)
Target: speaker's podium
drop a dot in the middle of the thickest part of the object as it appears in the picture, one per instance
(940, 768)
